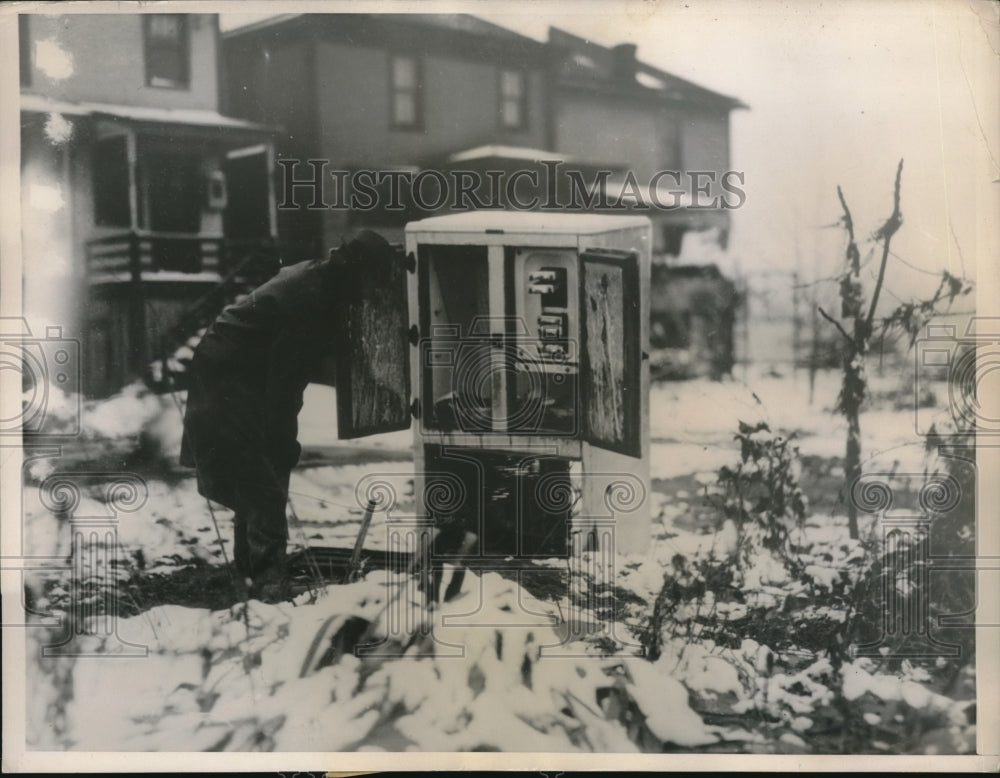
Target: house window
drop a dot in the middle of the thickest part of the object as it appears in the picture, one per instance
(111, 182)
(405, 87)
(513, 99)
(24, 49)
(167, 50)
(671, 144)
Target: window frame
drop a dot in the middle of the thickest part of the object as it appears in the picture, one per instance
(672, 142)
(415, 92)
(24, 53)
(112, 207)
(521, 99)
(184, 51)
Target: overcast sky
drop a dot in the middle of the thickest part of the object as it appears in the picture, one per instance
(838, 93)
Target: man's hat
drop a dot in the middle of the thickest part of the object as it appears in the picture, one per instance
(368, 245)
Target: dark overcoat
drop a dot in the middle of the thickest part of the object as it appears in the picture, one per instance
(247, 380)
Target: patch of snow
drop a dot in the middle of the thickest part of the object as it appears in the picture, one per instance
(893, 689)
(649, 80)
(801, 724)
(134, 410)
(664, 700)
(758, 656)
(318, 424)
(792, 740)
(712, 673)
(825, 577)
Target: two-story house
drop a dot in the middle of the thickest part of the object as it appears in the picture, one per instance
(450, 91)
(383, 92)
(142, 204)
(606, 104)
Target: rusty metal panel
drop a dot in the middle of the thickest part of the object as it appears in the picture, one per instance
(610, 350)
(373, 361)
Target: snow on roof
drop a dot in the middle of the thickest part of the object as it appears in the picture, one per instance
(507, 152)
(140, 113)
(590, 64)
(466, 24)
(650, 81)
(524, 221)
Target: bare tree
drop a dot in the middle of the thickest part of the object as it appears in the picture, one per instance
(909, 317)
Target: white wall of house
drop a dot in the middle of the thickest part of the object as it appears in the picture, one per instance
(101, 58)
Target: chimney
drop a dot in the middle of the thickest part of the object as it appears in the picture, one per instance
(623, 59)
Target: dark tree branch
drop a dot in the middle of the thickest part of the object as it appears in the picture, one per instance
(836, 324)
(885, 233)
(853, 255)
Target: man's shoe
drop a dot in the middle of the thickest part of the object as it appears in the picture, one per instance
(272, 585)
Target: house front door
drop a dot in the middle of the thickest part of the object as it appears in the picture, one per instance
(248, 212)
(175, 190)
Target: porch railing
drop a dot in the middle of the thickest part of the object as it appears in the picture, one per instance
(132, 253)
(124, 265)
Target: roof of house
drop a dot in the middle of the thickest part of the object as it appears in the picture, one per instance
(140, 113)
(458, 34)
(578, 63)
(583, 64)
(464, 23)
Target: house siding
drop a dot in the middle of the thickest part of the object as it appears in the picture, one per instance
(460, 108)
(100, 59)
(603, 128)
(107, 61)
(705, 141)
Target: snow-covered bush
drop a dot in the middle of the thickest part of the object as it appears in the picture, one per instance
(761, 501)
(783, 599)
(899, 569)
(762, 496)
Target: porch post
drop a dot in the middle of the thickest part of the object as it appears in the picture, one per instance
(138, 349)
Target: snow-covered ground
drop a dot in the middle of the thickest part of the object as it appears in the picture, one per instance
(496, 668)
